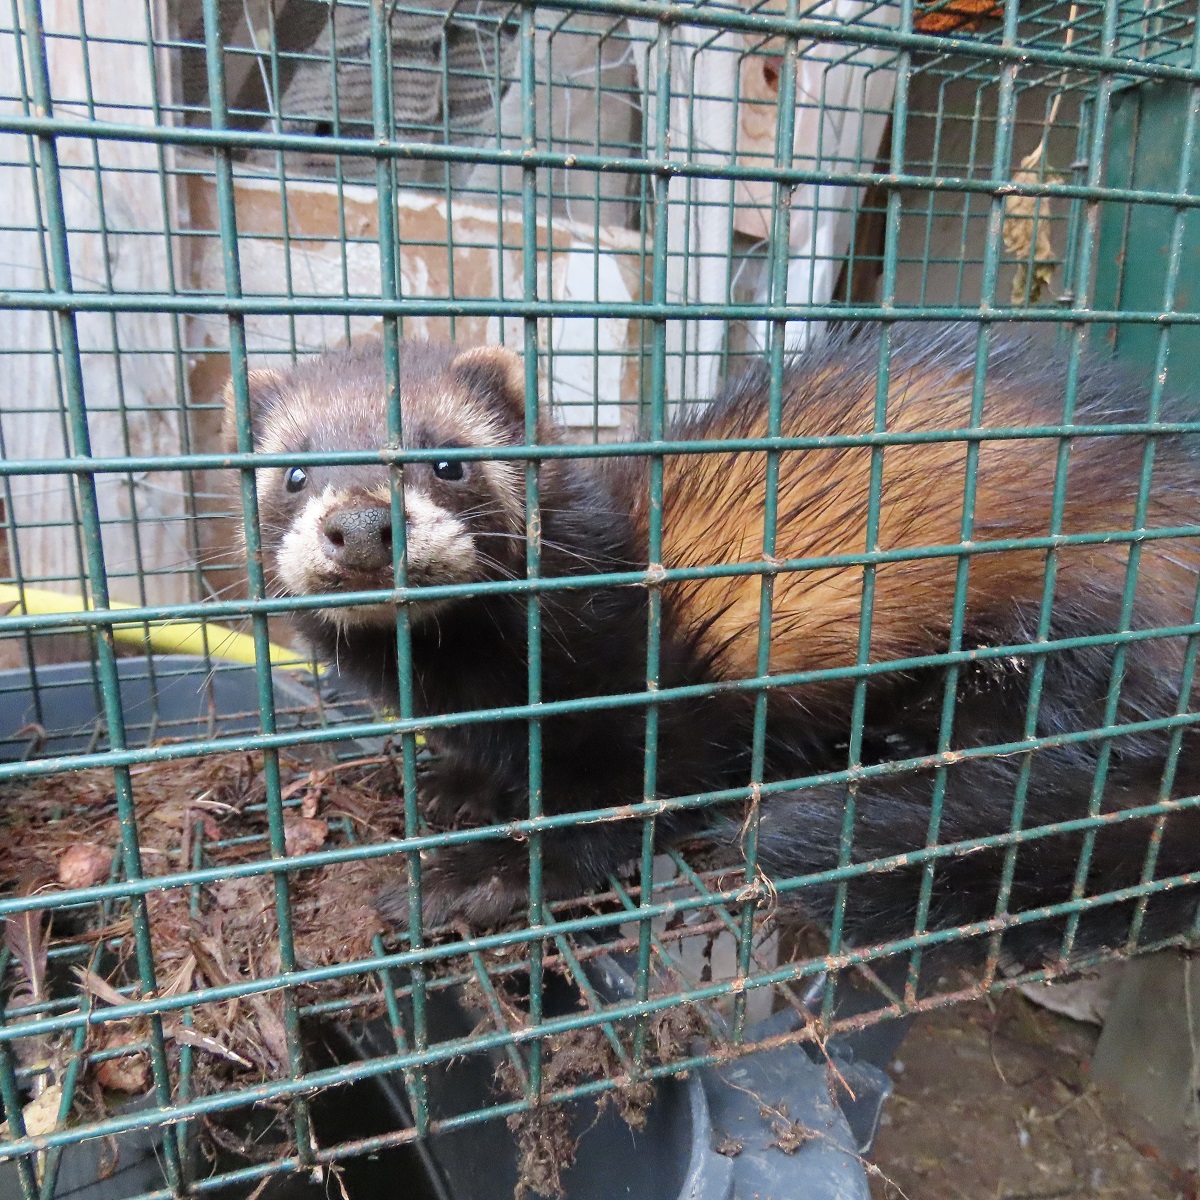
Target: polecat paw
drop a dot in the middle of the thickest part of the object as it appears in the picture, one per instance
(481, 884)
(450, 798)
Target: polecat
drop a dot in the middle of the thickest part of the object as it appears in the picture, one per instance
(328, 529)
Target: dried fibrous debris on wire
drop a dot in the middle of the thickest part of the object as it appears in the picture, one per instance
(546, 1140)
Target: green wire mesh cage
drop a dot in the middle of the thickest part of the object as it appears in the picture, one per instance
(640, 198)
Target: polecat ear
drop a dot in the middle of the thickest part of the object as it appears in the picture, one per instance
(265, 388)
(496, 374)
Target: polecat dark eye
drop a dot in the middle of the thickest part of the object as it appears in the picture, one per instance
(451, 472)
(295, 479)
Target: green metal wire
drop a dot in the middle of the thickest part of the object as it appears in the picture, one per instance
(266, 695)
(1001, 155)
(384, 128)
(927, 229)
(97, 575)
(781, 241)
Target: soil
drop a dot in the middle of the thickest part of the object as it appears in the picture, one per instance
(994, 1102)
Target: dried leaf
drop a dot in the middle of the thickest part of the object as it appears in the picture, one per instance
(40, 1115)
(26, 935)
(129, 1074)
(303, 835)
(209, 829)
(208, 960)
(952, 15)
(173, 812)
(271, 1029)
(789, 1135)
(181, 981)
(84, 865)
(1027, 234)
(269, 1024)
(242, 894)
(94, 985)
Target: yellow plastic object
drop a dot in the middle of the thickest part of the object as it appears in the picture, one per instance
(166, 637)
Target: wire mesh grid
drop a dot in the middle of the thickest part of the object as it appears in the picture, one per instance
(640, 198)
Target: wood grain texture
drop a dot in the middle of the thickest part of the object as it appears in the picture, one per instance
(117, 222)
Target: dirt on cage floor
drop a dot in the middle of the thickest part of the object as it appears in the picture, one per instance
(995, 1103)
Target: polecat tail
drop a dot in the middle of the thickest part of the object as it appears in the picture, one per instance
(800, 833)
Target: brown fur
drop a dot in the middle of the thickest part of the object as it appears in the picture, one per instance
(472, 653)
(339, 401)
(713, 508)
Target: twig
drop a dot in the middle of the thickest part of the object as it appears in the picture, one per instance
(1193, 1037)
(865, 1163)
(319, 775)
(190, 1037)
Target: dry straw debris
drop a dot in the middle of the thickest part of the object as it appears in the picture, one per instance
(62, 833)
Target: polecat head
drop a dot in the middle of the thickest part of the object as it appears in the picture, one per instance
(329, 528)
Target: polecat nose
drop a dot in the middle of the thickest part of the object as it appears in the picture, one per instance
(359, 538)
